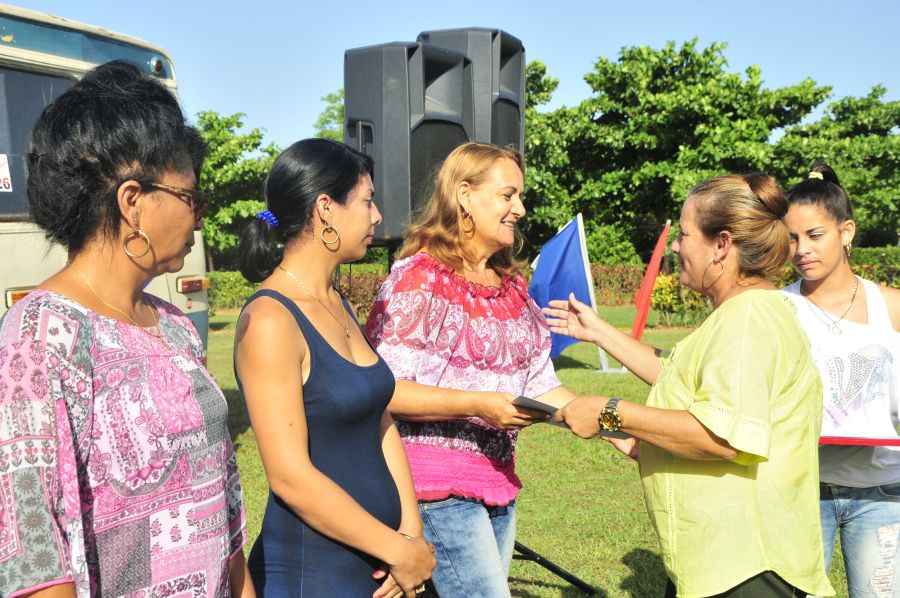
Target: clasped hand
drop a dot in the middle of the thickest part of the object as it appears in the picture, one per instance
(407, 577)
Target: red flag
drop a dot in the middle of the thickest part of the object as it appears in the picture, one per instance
(642, 302)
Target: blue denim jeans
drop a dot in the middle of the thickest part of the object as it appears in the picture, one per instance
(869, 524)
(474, 545)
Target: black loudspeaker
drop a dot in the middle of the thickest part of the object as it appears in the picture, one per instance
(498, 61)
(407, 105)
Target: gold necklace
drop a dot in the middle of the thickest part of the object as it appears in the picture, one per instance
(825, 317)
(153, 314)
(345, 325)
(488, 278)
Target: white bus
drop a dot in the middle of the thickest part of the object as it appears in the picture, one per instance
(42, 55)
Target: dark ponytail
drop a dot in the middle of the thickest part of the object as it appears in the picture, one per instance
(260, 250)
(822, 189)
(300, 174)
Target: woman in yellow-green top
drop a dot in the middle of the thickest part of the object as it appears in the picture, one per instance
(727, 442)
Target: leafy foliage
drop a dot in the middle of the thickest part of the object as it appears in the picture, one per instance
(546, 152)
(658, 122)
(616, 284)
(858, 137)
(330, 124)
(234, 171)
(609, 245)
(228, 290)
(678, 305)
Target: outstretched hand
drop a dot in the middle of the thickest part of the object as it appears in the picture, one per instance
(572, 318)
(497, 409)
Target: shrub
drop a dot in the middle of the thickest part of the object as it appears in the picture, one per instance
(361, 290)
(610, 246)
(228, 290)
(678, 305)
(880, 264)
(616, 285)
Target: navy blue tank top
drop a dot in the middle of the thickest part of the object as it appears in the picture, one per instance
(344, 403)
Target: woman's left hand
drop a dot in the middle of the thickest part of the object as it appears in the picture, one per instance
(388, 589)
(630, 447)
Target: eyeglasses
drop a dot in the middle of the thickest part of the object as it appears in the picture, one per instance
(198, 199)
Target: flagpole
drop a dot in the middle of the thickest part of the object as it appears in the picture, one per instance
(582, 237)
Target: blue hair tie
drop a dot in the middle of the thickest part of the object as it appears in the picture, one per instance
(267, 217)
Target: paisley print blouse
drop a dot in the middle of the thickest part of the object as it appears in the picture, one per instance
(434, 327)
(117, 471)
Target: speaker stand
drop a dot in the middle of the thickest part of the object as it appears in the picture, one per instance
(523, 553)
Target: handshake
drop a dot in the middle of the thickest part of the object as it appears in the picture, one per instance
(586, 417)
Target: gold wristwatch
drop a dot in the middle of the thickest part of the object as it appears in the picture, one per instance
(609, 418)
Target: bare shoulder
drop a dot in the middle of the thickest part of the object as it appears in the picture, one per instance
(268, 327)
(892, 298)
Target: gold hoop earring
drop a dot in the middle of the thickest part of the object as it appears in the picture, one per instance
(465, 215)
(136, 232)
(848, 249)
(716, 275)
(329, 227)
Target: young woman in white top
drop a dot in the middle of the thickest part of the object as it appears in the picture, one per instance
(853, 325)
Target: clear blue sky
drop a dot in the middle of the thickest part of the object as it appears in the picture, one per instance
(274, 60)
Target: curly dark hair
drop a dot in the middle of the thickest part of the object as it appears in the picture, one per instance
(113, 125)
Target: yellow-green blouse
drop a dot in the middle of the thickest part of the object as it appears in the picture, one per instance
(747, 375)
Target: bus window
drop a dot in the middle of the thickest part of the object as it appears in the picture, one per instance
(22, 97)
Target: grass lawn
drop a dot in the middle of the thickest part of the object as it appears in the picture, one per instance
(582, 506)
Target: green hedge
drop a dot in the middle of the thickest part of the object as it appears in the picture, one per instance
(678, 305)
(613, 285)
(230, 290)
(616, 285)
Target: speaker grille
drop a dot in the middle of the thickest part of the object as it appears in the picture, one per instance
(429, 144)
(505, 125)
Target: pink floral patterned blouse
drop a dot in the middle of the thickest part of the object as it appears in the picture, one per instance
(434, 327)
(117, 471)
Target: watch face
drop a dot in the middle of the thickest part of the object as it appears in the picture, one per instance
(607, 420)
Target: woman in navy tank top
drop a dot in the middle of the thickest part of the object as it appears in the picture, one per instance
(342, 518)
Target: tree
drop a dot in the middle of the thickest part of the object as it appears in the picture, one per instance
(234, 170)
(660, 121)
(330, 124)
(547, 160)
(858, 137)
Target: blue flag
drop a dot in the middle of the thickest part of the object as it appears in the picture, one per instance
(561, 268)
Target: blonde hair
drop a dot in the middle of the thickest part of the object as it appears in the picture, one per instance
(750, 207)
(438, 228)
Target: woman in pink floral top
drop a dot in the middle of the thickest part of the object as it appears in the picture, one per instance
(117, 472)
(463, 338)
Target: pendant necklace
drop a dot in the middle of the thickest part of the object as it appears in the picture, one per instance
(826, 318)
(345, 325)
